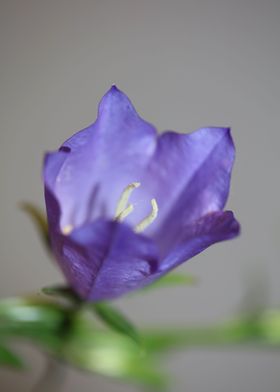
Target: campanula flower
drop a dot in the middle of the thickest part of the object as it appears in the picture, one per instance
(126, 205)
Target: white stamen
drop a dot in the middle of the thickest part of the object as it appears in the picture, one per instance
(128, 210)
(149, 219)
(67, 229)
(121, 206)
(123, 210)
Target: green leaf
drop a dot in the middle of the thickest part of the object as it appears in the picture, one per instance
(39, 219)
(109, 354)
(172, 279)
(33, 319)
(114, 319)
(69, 334)
(8, 358)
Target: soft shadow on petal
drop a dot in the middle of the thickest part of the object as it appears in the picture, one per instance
(103, 159)
(53, 162)
(189, 176)
(105, 259)
(210, 229)
(52, 165)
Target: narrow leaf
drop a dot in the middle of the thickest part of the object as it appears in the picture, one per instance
(114, 319)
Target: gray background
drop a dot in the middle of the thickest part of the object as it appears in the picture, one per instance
(184, 64)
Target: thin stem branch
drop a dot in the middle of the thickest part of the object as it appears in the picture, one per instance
(262, 331)
(52, 378)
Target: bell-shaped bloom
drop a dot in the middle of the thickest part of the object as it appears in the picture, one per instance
(126, 205)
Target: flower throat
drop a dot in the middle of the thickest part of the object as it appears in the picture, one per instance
(124, 209)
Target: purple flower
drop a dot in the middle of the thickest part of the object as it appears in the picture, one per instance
(125, 205)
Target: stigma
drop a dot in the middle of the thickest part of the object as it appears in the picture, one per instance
(124, 209)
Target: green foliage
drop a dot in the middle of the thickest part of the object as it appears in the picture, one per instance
(269, 325)
(63, 292)
(170, 280)
(110, 354)
(69, 332)
(260, 332)
(34, 319)
(106, 312)
(9, 358)
(114, 319)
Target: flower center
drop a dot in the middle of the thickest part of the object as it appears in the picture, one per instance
(124, 209)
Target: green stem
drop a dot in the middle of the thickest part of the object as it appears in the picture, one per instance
(262, 331)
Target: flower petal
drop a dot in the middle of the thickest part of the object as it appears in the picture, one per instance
(102, 160)
(105, 259)
(52, 165)
(211, 228)
(189, 176)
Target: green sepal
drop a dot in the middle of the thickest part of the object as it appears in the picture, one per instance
(108, 314)
(61, 291)
(114, 319)
(170, 280)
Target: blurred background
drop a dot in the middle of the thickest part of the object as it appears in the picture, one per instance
(184, 64)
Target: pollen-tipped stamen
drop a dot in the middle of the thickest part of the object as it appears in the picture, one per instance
(149, 219)
(122, 203)
(128, 210)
